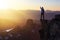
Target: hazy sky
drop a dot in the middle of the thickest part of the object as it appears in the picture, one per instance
(19, 17)
(30, 4)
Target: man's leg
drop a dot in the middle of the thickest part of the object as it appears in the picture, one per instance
(43, 16)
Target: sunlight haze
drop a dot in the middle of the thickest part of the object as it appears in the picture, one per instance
(30, 4)
(11, 14)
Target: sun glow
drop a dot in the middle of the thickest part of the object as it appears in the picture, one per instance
(3, 4)
(10, 18)
(12, 4)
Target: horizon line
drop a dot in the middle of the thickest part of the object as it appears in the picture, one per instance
(28, 9)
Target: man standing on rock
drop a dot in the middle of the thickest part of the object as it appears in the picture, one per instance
(42, 13)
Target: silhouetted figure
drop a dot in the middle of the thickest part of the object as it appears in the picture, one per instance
(42, 13)
(42, 24)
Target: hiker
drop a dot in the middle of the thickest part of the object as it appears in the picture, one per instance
(42, 12)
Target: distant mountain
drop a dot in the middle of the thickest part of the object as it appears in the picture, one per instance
(35, 14)
(23, 15)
